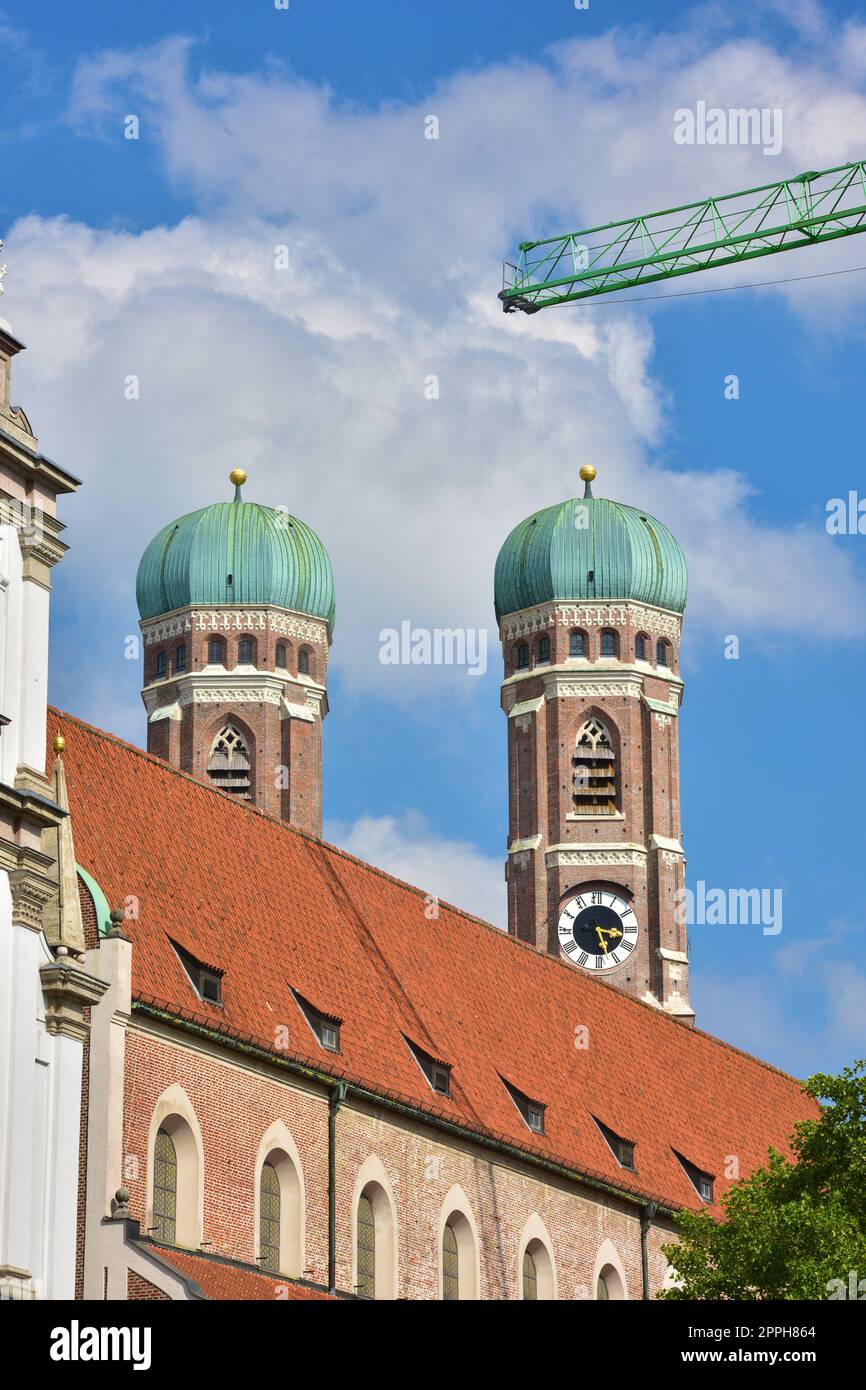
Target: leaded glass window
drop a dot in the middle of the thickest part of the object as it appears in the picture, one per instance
(269, 1220)
(530, 1277)
(164, 1188)
(602, 1290)
(450, 1265)
(366, 1248)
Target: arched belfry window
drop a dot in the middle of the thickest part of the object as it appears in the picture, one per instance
(577, 645)
(216, 652)
(594, 777)
(522, 656)
(640, 647)
(609, 642)
(544, 649)
(229, 763)
(303, 662)
(281, 655)
(246, 651)
(662, 653)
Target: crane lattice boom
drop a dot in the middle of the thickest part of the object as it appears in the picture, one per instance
(814, 207)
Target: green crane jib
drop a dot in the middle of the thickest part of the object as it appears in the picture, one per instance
(814, 207)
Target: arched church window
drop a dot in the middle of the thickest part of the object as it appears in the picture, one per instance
(161, 665)
(577, 644)
(640, 647)
(523, 656)
(245, 651)
(450, 1265)
(662, 657)
(229, 763)
(594, 778)
(609, 643)
(269, 1220)
(366, 1248)
(180, 658)
(281, 655)
(530, 1276)
(544, 649)
(165, 1188)
(216, 652)
(303, 662)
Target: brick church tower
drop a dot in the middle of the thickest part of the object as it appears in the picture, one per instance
(589, 599)
(237, 606)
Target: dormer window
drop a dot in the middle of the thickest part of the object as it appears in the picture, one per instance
(531, 1110)
(622, 1149)
(206, 980)
(325, 1027)
(702, 1182)
(437, 1072)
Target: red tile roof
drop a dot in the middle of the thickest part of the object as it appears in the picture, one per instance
(220, 1279)
(276, 909)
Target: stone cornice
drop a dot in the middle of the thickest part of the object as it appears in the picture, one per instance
(68, 990)
(593, 680)
(228, 688)
(259, 617)
(640, 616)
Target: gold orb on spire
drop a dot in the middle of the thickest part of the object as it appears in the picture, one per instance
(58, 743)
(238, 477)
(587, 473)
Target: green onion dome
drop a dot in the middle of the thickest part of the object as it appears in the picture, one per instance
(236, 553)
(590, 548)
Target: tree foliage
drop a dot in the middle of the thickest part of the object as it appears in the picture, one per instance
(793, 1227)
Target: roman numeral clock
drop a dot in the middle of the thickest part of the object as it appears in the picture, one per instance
(597, 930)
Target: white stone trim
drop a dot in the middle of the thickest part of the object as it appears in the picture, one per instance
(278, 1140)
(608, 1258)
(175, 1104)
(372, 1173)
(526, 707)
(661, 622)
(290, 711)
(535, 1231)
(521, 846)
(256, 618)
(661, 842)
(681, 957)
(165, 712)
(456, 1203)
(590, 855)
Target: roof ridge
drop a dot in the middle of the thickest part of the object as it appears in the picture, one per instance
(550, 961)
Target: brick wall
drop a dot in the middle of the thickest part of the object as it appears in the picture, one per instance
(236, 1103)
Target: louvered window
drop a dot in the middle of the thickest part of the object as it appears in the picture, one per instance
(164, 1188)
(594, 777)
(450, 1265)
(366, 1248)
(229, 763)
(269, 1220)
(530, 1277)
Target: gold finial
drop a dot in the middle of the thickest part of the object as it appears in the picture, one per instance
(587, 473)
(238, 477)
(58, 743)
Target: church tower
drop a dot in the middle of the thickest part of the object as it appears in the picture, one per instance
(589, 599)
(237, 607)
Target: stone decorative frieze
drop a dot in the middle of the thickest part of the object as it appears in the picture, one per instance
(231, 695)
(235, 620)
(595, 858)
(672, 857)
(657, 621)
(590, 689)
(663, 720)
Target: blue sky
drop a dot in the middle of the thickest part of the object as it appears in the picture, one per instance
(304, 128)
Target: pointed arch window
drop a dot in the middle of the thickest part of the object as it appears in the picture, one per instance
(450, 1265)
(165, 1188)
(530, 1277)
(269, 1220)
(595, 772)
(229, 763)
(366, 1248)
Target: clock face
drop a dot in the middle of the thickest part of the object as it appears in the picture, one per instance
(597, 930)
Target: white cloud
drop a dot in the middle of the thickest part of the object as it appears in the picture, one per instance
(313, 378)
(409, 848)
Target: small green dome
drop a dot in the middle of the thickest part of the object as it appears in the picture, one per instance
(238, 553)
(619, 553)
